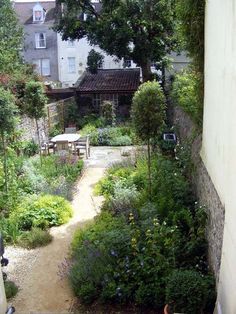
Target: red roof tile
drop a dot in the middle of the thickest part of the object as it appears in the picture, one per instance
(117, 80)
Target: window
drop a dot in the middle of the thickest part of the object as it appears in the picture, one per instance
(127, 63)
(111, 97)
(42, 66)
(97, 100)
(45, 67)
(40, 40)
(71, 65)
(38, 13)
(70, 43)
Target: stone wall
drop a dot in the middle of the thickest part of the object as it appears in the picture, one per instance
(28, 128)
(204, 188)
(55, 113)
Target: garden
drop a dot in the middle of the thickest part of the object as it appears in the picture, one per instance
(148, 245)
(34, 202)
(103, 129)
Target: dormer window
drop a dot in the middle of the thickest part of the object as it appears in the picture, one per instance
(38, 13)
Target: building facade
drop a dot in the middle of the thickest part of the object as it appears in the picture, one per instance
(40, 41)
(63, 61)
(219, 129)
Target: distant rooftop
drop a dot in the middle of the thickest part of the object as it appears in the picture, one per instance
(24, 11)
(110, 80)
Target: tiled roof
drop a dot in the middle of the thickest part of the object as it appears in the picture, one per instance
(117, 80)
(24, 11)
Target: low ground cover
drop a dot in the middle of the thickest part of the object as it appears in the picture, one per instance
(140, 246)
(37, 197)
(103, 133)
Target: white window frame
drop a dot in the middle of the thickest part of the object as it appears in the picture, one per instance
(97, 100)
(45, 69)
(42, 66)
(111, 97)
(40, 43)
(38, 13)
(71, 66)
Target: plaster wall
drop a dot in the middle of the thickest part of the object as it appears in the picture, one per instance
(219, 141)
(80, 52)
(3, 301)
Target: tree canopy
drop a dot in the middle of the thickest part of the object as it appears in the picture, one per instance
(140, 30)
(148, 114)
(11, 38)
(94, 61)
(34, 100)
(190, 29)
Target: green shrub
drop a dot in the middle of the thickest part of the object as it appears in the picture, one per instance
(10, 230)
(42, 211)
(114, 175)
(188, 291)
(127, 253)
(185, 92)
(36, 237)
(54, 166)
(88, 129)
(171, 190)
(10, 289)
(109, 136)
(30, 148)
(92, 119)
(123, 140)
(32, 181)
(108, 112)
(55, 130)
(120, 262)
(124, 199)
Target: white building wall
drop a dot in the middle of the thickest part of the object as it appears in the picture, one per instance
(3, 301)
(219, 133)
(80, 51)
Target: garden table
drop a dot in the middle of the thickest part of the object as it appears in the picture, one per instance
(66, 138)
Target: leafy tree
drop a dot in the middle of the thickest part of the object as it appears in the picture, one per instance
(34, 104)
(94, 61)
(140, 30)
(148, 115)
(108, 112)
(11, 37)
(184, 94)
(190, 26)
(190, 16)
(8, 111)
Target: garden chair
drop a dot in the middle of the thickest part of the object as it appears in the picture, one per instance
(62, 146)
(46, 146)
(83, 144)
(70, 130)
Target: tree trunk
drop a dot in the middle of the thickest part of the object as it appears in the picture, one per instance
(149, 170)
(40, 153)
(146, 71)
(4, 161)
(163, 76)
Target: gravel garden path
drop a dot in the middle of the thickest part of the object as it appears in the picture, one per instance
(41, 274)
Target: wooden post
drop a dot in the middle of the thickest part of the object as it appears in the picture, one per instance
(49, 122)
